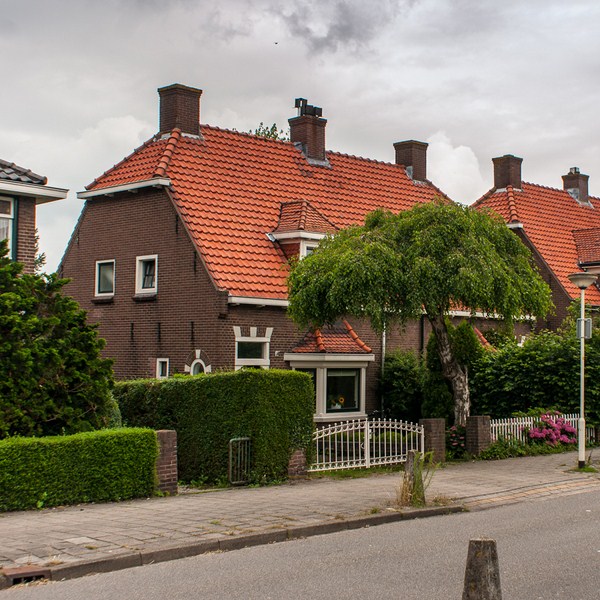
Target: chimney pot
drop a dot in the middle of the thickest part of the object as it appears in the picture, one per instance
(507, 171)
(576, 184)
(413, 155)
(179, 108)
(308, 129)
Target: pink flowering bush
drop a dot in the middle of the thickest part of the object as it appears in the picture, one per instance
(553, 430)
(455, 442)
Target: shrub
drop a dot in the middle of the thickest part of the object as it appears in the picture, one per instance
(274, 408)
(52, 377)
(402, 385)
(97, 466)
(456, 442)
(553, 430)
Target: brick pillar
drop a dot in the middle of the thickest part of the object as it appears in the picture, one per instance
(479, 434)
(297, 465)
(166, 463)
(435, 438)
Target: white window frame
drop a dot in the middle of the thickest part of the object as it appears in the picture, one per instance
(159, 362)
(139, 274)
(265, 340)
(306, 247)
(321, 363)
(97, 291)
(11, 218)
(198, 361)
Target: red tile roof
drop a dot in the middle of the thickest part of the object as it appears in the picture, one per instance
(230, 189)
(337, 339)
(301, 216)
(549, 217)
(587, 242)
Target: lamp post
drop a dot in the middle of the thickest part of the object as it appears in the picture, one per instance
(583, 281)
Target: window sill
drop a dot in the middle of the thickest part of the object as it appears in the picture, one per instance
(150, 297)
(341, 416)
(103, 299)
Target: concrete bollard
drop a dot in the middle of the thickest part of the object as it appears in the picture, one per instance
(482, 574)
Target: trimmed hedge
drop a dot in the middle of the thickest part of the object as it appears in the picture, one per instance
(96, 466)
(274, 408)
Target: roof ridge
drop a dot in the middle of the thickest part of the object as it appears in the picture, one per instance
(355, 337)
(319, 340)
(303, 211)
(165, 159)
(512, 206)
(554, 189)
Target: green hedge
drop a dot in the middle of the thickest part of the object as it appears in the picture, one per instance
(96, 466)
(274, 408)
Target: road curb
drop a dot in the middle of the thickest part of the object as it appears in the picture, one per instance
(166, 553)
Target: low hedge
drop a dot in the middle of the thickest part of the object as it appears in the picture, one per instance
(96, 466)
(273, 408)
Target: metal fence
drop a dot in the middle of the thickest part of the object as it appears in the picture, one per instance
(364, 443)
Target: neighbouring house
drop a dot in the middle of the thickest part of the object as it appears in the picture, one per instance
(560, 226)
(21, 191)
(182, 250)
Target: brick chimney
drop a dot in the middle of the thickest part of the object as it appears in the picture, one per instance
(308, 129)
(576, 184)
(179, 107)
(507, 171)
(413, 155)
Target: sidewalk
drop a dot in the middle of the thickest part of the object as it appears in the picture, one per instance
(77, 540)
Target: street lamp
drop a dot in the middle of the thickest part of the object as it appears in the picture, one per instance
(583, 281)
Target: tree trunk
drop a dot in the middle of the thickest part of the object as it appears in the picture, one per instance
(452, 370)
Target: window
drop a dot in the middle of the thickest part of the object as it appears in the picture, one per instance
(307, 248)
(162, 368)
(252, 350)
(146, 274)
(105, 277)
(6, 221)
(197, 367)
(343, 386)
(339, 381)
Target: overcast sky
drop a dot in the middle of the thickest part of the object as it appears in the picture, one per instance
(474, 78)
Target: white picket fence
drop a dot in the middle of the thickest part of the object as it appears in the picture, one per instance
(364, 443)
(516, 428)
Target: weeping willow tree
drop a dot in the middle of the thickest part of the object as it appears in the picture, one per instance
(434, 258)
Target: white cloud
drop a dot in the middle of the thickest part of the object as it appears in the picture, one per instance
(454, 169)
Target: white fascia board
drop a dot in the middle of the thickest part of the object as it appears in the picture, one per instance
(515, 225)
(478, 314)
(41, 193)
(319, 358)
(126, 187)
(295, 235)
(257, 301)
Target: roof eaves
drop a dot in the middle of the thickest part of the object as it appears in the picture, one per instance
(41, 193)
(125, 187)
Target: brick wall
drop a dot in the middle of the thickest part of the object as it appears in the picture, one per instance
(26, 237)
(435, 438)
(166, 463)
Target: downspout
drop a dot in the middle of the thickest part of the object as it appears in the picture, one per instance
(421, 335)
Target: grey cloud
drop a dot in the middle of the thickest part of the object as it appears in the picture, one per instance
(346, 24)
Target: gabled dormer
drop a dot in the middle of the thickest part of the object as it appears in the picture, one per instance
(300, 228)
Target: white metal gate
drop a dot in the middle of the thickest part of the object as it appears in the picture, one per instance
(364, 443)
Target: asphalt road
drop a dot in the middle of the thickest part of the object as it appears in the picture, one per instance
(548, 548)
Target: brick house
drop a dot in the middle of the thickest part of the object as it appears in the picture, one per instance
(21, 191)
(182, 250)
(560, 226)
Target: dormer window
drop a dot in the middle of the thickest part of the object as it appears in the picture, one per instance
(307, 247)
